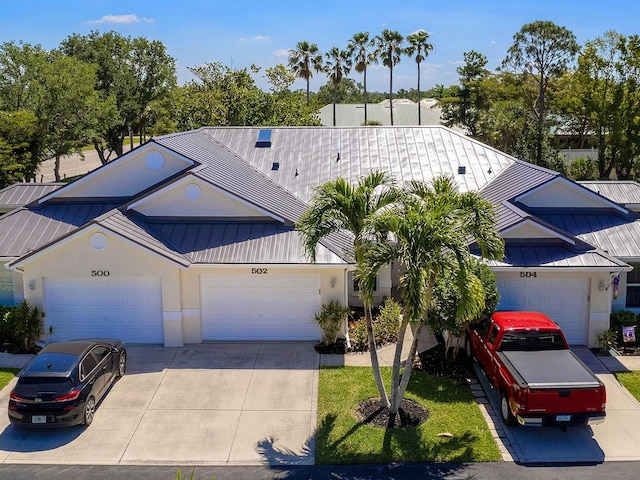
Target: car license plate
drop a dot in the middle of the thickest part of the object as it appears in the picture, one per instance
(39, 419)
(563, 418)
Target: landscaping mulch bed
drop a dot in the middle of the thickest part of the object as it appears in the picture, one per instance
(410, 414)
(434, 363)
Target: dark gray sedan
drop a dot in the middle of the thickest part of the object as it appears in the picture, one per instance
(63, 384)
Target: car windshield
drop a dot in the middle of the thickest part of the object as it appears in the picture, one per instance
(51, 362)
(531, 341)
(34, 386)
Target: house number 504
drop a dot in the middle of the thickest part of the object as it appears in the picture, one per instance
(99, 273)
(259, 271)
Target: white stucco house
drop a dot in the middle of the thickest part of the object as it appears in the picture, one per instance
(191, 236)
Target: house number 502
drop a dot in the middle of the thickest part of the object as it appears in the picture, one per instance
(259, 271)
(99, 273)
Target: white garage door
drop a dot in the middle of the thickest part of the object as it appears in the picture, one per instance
(126, 308)
(260, 307)
(565, 301)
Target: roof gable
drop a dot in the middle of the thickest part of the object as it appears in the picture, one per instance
(193, 197)
(126, 176)
(563, 193)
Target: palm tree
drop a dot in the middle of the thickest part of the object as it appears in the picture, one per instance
(362, 50)
(304, 59)
(390, 49)
(337, 66)
(338, 205)
(418, 44)
(431, 229)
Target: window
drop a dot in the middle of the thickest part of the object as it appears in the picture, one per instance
(87, 365)
(494, 334)
(633, 286)
(100, 353)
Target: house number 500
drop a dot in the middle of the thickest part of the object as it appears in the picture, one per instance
(99, 273)
(259, 271)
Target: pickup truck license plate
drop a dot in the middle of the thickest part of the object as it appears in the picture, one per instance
(563, 418)
(39, 419)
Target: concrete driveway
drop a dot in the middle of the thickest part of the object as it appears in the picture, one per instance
(209, 404)
(615, 439)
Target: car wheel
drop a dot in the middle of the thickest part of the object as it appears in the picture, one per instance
(505, 411)
(122, 363)
(89, 410)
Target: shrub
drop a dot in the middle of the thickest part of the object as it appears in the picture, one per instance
(21, 326)
(607, 339)
(622, 318)
(583, 169)
(385, 327)
(330, 319)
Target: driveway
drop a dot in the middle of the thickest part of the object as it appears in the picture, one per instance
(214, 404)
(615, 439)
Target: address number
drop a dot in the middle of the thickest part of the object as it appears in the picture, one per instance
(99, 273)
(259, 271)
(528, 274)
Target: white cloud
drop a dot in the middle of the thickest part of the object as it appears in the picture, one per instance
(281, 53)
(257, 38)
(130, 18)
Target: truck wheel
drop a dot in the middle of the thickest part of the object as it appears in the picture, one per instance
(505, 411)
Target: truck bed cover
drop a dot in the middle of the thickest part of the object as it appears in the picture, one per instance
(549, 369)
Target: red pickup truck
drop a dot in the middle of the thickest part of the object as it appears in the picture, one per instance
(540, 380)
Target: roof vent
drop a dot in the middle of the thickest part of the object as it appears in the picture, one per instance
(264, 139)
(275, 166)
(338, 158)
(462, 169)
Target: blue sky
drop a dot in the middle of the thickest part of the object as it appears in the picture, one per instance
(244, 32)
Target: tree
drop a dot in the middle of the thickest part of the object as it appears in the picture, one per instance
(18, 146)
(338, 205)
(542, 50)
(361, 48)
(348, 91)
(338, 64)
(470, 101)
(419, 46)
(66, 110)
(130, 75)
(390, 50)
(304, 60)
(429, 235)
(442, 314)
(21, 65)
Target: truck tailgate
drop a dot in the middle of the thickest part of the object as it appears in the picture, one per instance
(558, 381)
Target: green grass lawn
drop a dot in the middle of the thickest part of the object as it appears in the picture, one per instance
(6, 374)
(630, 381)
(342, 439)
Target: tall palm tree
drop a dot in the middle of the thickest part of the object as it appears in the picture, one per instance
(338, 205)
(431, 229)
(361, 48)
(390, 50)
(304, 60)
(338, 64)
(419, 45)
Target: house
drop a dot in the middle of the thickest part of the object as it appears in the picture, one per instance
(405, 112)
(191, 236)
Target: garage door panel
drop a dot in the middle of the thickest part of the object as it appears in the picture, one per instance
(260, 307)
(564, 300)
(125, 308)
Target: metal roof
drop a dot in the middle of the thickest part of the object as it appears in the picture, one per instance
(554, 256)
(618, 191)
(27, 229)
(404, 114)
(240, 243)
(21, 194)
(310, 156)
(618, 235)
